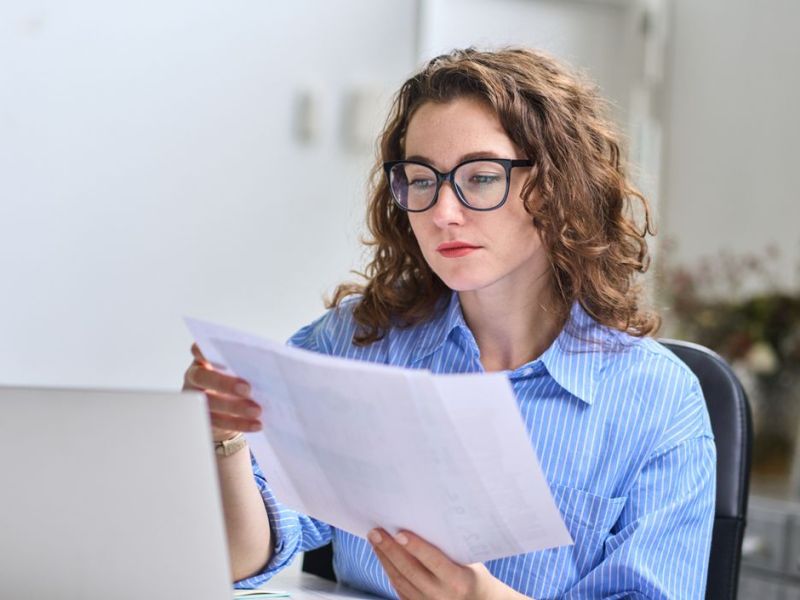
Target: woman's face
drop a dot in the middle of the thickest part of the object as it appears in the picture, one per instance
(508, 251)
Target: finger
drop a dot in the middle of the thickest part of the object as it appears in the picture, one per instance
(233, 423)
(198, 355)
(233, 405)
(404, 588)
(404, 562)
(207, 379)
(433, 559)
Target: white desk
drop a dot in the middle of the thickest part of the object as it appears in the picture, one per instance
(304, 586)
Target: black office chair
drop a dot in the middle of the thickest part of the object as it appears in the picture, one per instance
(733, 431)
(320, 562)
(730, 420)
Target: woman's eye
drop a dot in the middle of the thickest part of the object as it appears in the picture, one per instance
(484, 179)
(420, 184)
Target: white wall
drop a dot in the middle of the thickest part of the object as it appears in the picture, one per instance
(149, 169)
(598, 37)
(732, 162)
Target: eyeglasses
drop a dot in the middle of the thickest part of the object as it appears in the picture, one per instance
(479, 183)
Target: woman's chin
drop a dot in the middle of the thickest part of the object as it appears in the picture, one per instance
(463, 284)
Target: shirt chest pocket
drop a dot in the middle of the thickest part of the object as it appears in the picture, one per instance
(588, 517)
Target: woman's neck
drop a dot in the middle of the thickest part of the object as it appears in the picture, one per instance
(510, 329)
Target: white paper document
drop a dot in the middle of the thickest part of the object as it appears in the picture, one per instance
(359, 445)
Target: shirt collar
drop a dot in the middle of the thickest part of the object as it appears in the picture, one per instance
(574, 360)
(435, 332)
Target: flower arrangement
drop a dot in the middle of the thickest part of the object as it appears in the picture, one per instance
(740, 307)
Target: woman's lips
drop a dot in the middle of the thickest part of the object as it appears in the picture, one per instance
(455, 249)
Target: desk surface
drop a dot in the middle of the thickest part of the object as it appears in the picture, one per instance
(304, 586)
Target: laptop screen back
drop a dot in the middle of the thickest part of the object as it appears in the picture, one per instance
(109, 494)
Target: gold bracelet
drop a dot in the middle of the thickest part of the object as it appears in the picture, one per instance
(231, 446)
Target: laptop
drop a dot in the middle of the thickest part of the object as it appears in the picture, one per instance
(109, 494)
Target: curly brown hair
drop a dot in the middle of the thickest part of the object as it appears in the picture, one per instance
(578, 194)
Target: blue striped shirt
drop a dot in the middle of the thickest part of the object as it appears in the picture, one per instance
(623, 436)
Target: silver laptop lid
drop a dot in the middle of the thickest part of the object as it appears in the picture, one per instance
(109, 494)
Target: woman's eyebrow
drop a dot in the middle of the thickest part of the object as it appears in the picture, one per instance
(468, 156)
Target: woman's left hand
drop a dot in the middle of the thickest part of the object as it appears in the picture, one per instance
(420, 571)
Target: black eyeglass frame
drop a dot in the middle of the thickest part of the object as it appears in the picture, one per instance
(506, 163)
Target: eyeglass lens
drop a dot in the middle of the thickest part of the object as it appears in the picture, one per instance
(482, 184)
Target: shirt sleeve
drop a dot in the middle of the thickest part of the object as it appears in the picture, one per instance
(292, 532)
(660, 546)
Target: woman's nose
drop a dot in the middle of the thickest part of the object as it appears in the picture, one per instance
(448, 210)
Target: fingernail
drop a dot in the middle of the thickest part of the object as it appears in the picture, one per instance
(374, 536)
(242, 389)
(401, 539)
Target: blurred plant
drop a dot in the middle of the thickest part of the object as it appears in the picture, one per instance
(736, 305)
(739, 306)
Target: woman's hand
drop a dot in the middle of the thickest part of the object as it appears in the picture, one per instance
(229, 403)
(420, 571)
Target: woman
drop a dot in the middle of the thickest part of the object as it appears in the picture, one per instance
(504, 240)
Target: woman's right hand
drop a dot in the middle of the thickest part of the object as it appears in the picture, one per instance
(229, 403)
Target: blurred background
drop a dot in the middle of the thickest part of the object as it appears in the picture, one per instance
(210, 159)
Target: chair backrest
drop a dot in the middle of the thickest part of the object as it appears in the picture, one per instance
(731, 422)
(320, 562)
(733, 432)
